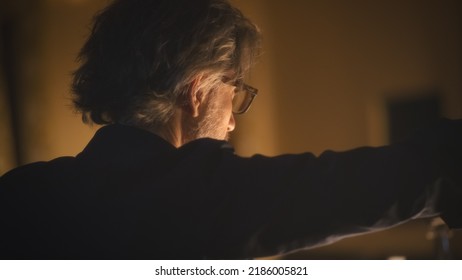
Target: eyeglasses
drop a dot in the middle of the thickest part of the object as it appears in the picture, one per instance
(243, 97)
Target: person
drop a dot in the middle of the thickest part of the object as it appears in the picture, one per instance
(160, 181)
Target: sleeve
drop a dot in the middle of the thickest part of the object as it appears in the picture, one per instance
(444, 143)
(279, 204)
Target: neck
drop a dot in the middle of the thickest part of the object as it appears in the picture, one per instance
(179, 130)
(172, 132)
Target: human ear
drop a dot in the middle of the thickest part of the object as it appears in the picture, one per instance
(194, 98)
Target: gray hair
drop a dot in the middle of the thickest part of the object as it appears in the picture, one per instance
(142, 56)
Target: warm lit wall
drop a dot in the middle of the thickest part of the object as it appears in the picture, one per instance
(50, 34)
(6, 142)
(65, 26)
(334, 63)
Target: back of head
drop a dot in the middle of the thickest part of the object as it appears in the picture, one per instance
(142, 55)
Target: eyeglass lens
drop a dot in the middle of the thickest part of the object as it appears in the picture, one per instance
(241, 101)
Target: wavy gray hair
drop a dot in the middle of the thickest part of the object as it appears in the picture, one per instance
(142, 55)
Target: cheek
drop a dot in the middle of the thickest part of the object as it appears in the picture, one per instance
(224, 103)
(228, 110)
(231, 123)
(230, 102)
(228, 117)
(224, 116)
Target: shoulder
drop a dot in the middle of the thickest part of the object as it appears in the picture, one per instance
(34, 173)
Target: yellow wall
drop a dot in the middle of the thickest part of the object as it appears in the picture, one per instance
(329, 66)
(50, 34)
